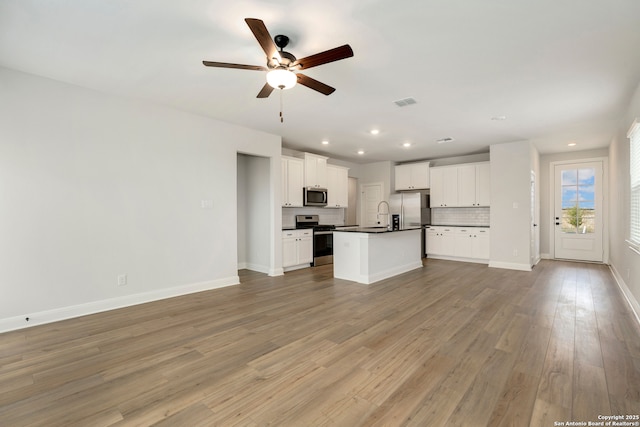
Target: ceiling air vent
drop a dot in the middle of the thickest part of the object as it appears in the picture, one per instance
(405, 102)
(444, 140)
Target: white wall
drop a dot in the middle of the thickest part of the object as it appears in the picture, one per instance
(624, 262)
(511, 166)
(93, 186)
(383, 172)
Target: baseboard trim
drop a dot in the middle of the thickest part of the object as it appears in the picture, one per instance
(391, 272)
(546, 256)
(626, 293)
(459, 259)
(510, 265)
(64, 313)
(257, 267)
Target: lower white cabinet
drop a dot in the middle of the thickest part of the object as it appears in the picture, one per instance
(297, 248)
(458, 243)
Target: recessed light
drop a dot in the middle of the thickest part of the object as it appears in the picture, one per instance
(374, 131)
(361, 152)
(406, 144)
(499, 118)
(572, 144)
(325, 142)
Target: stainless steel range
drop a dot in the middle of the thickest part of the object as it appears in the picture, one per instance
(322, 238)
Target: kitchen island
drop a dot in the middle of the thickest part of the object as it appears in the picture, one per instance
(369, 254)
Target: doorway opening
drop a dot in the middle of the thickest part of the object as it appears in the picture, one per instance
(253, 213)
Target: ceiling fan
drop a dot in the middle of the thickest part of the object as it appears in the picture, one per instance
(282, 67)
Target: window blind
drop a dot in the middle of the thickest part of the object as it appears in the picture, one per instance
(634, 148)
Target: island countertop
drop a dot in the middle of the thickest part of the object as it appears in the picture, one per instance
(373, 230)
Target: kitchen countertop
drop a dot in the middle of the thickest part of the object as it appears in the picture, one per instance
(374, 230)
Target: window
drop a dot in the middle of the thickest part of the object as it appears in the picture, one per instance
(634, 148)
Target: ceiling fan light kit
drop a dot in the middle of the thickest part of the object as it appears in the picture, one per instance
(281, 78)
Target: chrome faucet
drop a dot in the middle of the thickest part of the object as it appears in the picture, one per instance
(383, 213)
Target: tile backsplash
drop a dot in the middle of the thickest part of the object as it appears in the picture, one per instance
(460, 216)
(333, 216)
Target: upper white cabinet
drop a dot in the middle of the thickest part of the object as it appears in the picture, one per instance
(337, 186)
(444, 187)
(315, 171)
(412, 176)
(292, 182)
(474, 184)
(465, 185)
(483, 184)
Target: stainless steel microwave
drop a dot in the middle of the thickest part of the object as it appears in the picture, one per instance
(315, 196)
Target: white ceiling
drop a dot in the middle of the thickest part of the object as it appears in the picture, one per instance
(559, 70)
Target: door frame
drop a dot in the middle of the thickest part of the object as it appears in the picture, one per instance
(605, 203)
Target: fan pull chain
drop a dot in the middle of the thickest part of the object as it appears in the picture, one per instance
(281, 115)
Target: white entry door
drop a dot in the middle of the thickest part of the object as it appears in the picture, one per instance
(578, 218)
(371, 197)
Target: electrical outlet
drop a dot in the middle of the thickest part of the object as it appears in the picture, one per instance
(122, 279)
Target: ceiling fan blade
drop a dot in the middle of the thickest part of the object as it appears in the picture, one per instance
(325, 57)
(314, 84)
(229, 65)
(261, 33)
(265, 91)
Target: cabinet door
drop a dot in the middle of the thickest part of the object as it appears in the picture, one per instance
(481, 248)
(463, 244)
(285, 184)
(450, 186)
(305, 250)
(315, 171)
(342, 199)
(437, 187)
(403, 177)
(419, 176)
(295, 182)
(433, 242)
(483, 184)
(337, 187)
(448, 245)
(289, 251)
(467, 185)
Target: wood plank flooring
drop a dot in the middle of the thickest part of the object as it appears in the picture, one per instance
(450, 344)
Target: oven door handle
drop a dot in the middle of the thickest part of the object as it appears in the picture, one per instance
(322, 233)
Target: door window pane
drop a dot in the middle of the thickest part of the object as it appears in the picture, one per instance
(578, 201)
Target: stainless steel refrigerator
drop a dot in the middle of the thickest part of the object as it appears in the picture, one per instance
(413, 211)
(413, 208)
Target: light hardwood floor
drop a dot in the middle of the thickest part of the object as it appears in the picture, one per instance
(449, 344)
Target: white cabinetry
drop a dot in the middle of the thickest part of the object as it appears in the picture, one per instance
(412, 176)
(337, 186)
(292, 182)
(465, 185)
(440, 241)
(474, 184)
(444, 186)
(297, 248)
(315, 171)
(458, 243)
